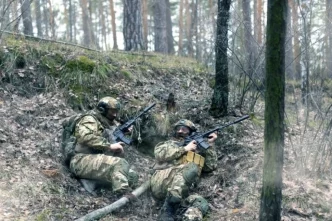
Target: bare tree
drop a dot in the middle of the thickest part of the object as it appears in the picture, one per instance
(132, 25)
(180, 43)
(271, 195)
(160, 27)
(115, 42)
(26, 17)
(169, 29)
(219, 103)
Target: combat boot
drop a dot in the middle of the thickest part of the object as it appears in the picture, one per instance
(167, 211)
(89, 185)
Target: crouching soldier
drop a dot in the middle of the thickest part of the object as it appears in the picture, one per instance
(85, 151)
(178, 167)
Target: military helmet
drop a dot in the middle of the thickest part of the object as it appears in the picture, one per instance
(107, 103)
(187, 123)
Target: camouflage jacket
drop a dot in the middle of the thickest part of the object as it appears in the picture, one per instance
(171, 151)
(89, 133)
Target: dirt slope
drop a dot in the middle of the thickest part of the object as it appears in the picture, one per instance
(35, 186)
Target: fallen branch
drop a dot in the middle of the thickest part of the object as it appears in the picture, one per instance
(99, 213)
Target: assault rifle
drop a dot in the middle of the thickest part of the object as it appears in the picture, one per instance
(199, 137)
(119, 132)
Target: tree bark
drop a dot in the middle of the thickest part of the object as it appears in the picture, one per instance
(289, 55)
(271, 195)
(188, 28)
(297, 48)
(132, 25)
(259, 24)
(160, 27)
(38, 18)
(115, 42)
(85, 20)
(145, 22)
(52, 21)
(219, 103)
(180, 43)
(169, 29)
(329, 37)
(26, 17)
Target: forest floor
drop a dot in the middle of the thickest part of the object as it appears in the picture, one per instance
(34, 185)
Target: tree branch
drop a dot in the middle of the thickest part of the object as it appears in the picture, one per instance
(99, 213)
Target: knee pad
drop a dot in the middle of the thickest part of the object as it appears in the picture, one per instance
(132, 178)
(190, 173)
(197, 201)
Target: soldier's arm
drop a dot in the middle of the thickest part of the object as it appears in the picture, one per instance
(168, 151)
(211, 159)
(88, 132)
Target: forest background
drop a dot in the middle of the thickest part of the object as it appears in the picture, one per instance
(187, 28)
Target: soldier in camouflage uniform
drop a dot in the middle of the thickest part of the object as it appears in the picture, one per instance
(89, 161)
(175, 173)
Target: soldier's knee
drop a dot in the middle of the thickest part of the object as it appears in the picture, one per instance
(199, 202)
(190, 173)
(192, 214)
(132, 178)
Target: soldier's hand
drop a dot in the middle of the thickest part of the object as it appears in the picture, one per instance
(212, 137)
(117, 147)
(191, 146)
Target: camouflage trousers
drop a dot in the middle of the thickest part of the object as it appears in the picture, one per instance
(171, 181)
(176, 181)
(104, 168)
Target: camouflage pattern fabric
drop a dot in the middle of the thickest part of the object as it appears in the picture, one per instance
(169, 181)
(177, 178)
(187, 123)
(197, 201)
(112, 170)
(89, 161)
(110, 102)
(192, 214)
(89, 133)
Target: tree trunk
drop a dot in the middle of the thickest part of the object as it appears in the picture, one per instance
(26, 17)
(145, 22)
(45, 17)
(289, 67)
(115, 42)
(271, 195)
(188, 28)
(248, 39)
(219, 103)
(103, 25)
(297, 48)
(180, 43)
(259, 24)
(160, 27)
(52, 22)
(212, 16)
(329, 37)
(85, 20)
(132, 25)
(169, 29)
(38, 18)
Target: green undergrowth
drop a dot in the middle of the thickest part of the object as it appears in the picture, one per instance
(82, 74)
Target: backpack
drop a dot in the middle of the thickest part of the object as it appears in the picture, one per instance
(68, 141)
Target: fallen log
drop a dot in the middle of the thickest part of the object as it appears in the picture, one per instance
(99, 213)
